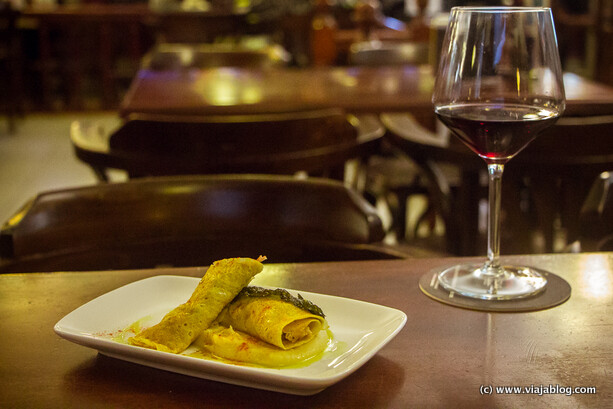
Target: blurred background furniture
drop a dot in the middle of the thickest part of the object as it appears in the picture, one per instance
(446, 176)
(85, 41)
(72, 49)
(558, 169)
(393, 181)
(585, 32)
(177, 56)
(89, 51)
(576, 23)
(370, 23)
(595, 231)
(197, 26)
(214, 91)
(549, 179)
(377, 53)
(369, 90)
(191, 221)
(604, 38)
(281, 24)
(93, 51)
(316, 142)
(545, 184)
(359, 90)
(11, 80)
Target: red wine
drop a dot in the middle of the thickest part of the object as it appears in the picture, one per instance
(496, 132)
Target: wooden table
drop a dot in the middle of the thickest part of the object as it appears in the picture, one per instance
(244, 91)
(442, 357)
(356, 89)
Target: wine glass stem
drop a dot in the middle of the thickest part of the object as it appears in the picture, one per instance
(493, 221)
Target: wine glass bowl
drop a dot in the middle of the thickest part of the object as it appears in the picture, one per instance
(499, 84)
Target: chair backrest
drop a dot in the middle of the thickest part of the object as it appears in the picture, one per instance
(573, 146)
(558, 166)
(176, 56)
(194, 26)
(191, 220)
(313, 141)
(566, 159)
(572, 143)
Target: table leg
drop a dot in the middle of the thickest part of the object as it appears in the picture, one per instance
(467, 214)
(45, 63)
(106, 64)
(74, 67)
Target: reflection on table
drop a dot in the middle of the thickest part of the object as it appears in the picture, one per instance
(242, 91)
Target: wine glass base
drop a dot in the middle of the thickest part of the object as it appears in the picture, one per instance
(505, 283)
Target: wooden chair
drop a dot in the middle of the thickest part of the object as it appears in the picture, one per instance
(390, 179)
(544, 185)
(436, 173)
(191, 221)
(560, 166)
(316, 142)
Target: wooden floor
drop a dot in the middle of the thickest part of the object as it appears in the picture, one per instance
(39, 157)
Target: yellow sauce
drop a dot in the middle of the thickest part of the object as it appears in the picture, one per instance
(334, 348)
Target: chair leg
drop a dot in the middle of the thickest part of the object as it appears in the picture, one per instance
(428, 216)
(100, 174)
(397, 207)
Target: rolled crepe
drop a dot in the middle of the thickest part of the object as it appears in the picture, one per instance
(273, 316)
(233, 345)
(220, 284)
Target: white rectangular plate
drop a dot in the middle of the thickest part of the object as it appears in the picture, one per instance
(360, 330)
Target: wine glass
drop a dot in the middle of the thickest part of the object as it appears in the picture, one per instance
(499, 84)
